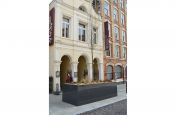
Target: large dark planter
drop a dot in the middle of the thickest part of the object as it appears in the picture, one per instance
(84, 94)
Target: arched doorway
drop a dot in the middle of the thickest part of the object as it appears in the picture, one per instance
(82, 68)
(118, 72)
(65, 68)
(95, 70)
(109, 72)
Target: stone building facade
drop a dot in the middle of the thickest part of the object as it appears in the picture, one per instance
(76, 44)
(114, 12)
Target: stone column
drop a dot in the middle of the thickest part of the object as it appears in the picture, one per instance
(90, 77)
(100, 68)
(57, 77)
(75, 71)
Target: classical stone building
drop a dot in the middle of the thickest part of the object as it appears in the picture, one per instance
(76, 45)
(114, 17)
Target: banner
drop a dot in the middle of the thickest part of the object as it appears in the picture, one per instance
(51, 26)
(106, 31)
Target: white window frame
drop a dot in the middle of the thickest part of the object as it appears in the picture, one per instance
(121, 3)
(117, 51)
(82, 29)
(116, 31)
(123, 36)
(115, 16)
(96, 35)
(124, 52)
(106, 10)
(122, 19)
(64, 23)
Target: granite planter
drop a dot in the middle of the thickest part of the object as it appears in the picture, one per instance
(88, 93)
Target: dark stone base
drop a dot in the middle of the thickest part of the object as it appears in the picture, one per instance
(57, 93)
(84, 94)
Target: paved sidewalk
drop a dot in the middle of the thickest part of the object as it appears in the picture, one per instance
(117, 108)
(57, 107)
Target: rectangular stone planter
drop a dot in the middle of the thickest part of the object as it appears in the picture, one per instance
(84, 94)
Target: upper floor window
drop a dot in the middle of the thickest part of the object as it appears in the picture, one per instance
(115, 1)
(123, 36)
(108, 52)
(65, 27)
(121, 3)
(116, 51)
(124, 52)
(115, 15)
(116, 32)
(82, 32)
(106, 8)
(94, 36)
(122, 19)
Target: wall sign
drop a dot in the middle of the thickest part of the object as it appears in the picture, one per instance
(106, 29)
(51, 26)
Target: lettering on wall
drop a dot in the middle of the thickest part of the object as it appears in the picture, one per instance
(51, 26)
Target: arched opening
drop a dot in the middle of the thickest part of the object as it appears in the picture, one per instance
(95, 70)
(118, 72)
(109, 72)
(82, 68)
(65, 68)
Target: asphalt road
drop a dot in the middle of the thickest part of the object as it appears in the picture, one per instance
(117, 108)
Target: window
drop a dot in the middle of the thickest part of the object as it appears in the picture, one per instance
(123, 36)
(109, 72)
(108, 52)
(82, 8)
(82, 32)
(116, 51)
(115, 1)
(94, 35)
(115, 14)
(65, 27)
(121, 3)
(122, 19)
(116, 34)
(106, 8)
(124, 52)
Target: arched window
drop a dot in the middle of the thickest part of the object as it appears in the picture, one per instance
(109, 72)
(82, 8)
(96, 4)
(118, 72)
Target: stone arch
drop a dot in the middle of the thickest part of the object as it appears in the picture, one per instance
(86, 56)
(82, 68)
(65, 68)
(110, 63)
(66, 54)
